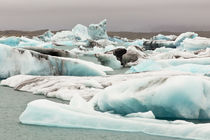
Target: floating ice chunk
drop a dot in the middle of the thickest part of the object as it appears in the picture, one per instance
(63, 36)
(65, 43)
(118, 40)
(108, 60)
(163, 50)
(46, 36)
(147, 65)
(185, 97)
(48, 113)
(52, 52)
(197, 43)
(65, 87)
(153, 44)
(10, 41)
(27, 42)
(98, 31)
(105, 42)
(164, 37)
(166, 53)
(194, 65)
(81, 32)
(138, 42)
(184, 36)
(20, 61)
(132, 55)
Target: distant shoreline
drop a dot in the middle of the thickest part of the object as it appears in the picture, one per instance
(129, 35)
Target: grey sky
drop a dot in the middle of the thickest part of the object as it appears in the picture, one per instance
(122, 15)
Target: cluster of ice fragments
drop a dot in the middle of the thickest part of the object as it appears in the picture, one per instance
(168, 77)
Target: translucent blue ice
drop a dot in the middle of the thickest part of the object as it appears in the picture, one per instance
(200, 66)
(98, 31)
(138, 42)
(178, 96)
(10, 41)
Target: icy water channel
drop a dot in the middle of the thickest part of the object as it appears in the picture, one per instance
(13, 103)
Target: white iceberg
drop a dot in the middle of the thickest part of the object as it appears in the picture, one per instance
(98, 31)
(10, 41)
(164, 37)
(197, 43)
(176, 97)
(19, 61)
(24, 42)
(80, 114)
(184, 36)
(65, 87)
(153, 44)
(110, 60)
(81, 32)
(47, 36)
(63, 36)
(193, 65)
(138, 42)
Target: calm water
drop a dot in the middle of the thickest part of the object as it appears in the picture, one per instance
(13, 103)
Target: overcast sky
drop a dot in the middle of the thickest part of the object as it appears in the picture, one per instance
(122, 15)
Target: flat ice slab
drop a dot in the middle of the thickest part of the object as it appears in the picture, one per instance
(48, 113)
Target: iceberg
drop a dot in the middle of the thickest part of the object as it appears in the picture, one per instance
(20, 61)
(65, 87)
(98, 31)
(164, 37)
(46, 36)
(197, 43)
(166, 53)
(108, 60)
(24, 41)
(81, 31)
(184, 36)
(79, 114)
(158, 43)
(132, 55)
(194, 65)
(138, 42)
(65, 43)
(10, 41)
(63, 36)
(52, 51)
(175, 97)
